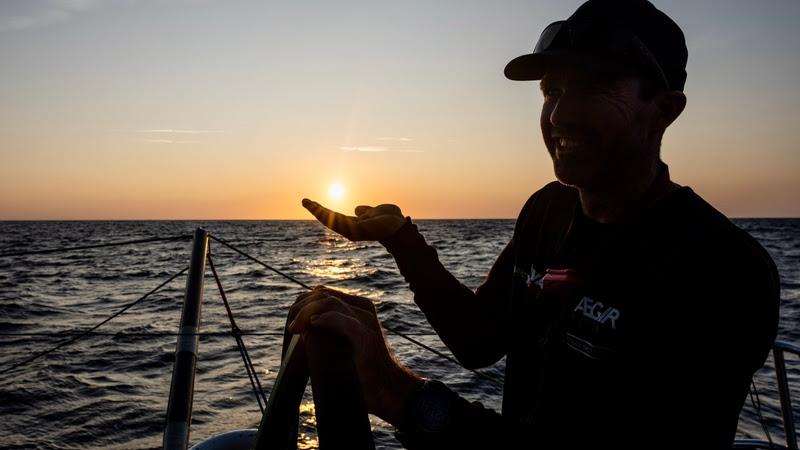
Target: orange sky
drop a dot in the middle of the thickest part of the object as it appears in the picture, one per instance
(236, 110)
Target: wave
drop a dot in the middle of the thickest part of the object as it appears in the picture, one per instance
(110, 391)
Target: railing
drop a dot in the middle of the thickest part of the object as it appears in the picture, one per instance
(783, 390)
(785, 395)
(181, 392)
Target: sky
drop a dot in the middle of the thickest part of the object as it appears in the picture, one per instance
(212, 109)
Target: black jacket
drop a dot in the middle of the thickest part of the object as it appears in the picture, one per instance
(654, 338)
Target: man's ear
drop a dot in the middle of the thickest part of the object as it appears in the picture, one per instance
(670, 105)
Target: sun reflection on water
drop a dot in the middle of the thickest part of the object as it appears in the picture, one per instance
(336, 269)
(308, 418)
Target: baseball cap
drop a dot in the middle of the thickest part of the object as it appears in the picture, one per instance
(606, 33)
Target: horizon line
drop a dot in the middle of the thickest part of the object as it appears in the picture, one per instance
(314, 220)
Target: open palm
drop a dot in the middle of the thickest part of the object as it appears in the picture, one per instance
(369, 223)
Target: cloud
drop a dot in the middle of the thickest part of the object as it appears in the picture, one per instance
(169, 141)
(169, 135)
(371, 149)
(378, 149)
(387, 145)
(173, 131)
(17, 15)
(400, 139)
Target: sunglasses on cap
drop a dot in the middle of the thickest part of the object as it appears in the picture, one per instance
(594, 39)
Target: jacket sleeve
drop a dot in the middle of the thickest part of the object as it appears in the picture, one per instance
(720, 334)
(470, 425)
(471, 324)
(741, 321)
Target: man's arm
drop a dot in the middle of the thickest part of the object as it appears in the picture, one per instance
(471, 324)
(427, 414)
(727, 303)
(437, 418)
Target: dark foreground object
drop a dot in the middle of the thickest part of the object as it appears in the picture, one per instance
(342, 420)
(181, 393)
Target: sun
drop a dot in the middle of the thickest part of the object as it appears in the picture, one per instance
(336, 191)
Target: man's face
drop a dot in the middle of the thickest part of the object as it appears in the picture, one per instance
(597, 132)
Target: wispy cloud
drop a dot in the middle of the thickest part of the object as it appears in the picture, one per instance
(172, 135)
(16, 15)
(388, 145)
(178, 131)
(169, 141)
(371, 149)
(399, 139)
(378, 149)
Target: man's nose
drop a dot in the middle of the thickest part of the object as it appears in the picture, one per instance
(565, 112)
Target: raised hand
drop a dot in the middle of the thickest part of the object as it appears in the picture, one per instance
(369, 223)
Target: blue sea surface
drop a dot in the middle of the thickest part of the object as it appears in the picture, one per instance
(110, 390)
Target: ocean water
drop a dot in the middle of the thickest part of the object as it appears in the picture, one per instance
(110, 390)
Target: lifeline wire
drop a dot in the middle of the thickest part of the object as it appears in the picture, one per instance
(85, 247)
(287, 276)
(90, 330)
(58, 334)
(237, 335)
(757, 407)
(391, 330)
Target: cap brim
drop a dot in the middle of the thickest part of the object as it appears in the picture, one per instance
(527, 67)
(533, 66)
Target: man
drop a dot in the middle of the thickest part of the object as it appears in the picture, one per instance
(630, 311)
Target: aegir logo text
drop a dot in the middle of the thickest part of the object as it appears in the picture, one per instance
(598, 312)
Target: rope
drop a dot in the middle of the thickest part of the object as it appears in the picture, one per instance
(486, 376)
(757, 406)
(405, 336)
(58, 334)
(258, 391)
(85, 247)
(90, 330)
(288, 277)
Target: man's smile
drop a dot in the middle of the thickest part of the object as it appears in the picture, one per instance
(569, 144)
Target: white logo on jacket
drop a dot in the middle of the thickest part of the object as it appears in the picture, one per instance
(598, 312)
(535, 278)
